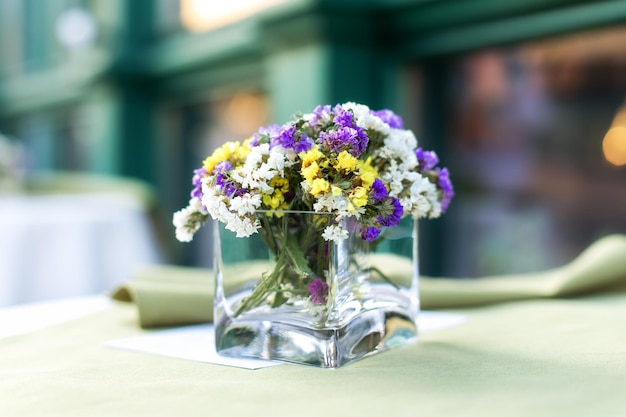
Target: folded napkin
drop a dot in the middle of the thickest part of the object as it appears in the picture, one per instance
(174, 295)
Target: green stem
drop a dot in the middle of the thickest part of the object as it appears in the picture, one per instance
(293, 264)
(262, 289)
(384, 277)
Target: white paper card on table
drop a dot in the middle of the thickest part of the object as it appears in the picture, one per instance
(197, 343)
(430, 321)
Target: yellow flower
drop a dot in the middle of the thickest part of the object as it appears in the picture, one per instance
(274, 201)
(335, 190)
(367, 173)
(318, 186)
(346, 162)
(280, 184)
(230, 151)
(358, 197)
(310, 172)
(242, 152)
(310, 156)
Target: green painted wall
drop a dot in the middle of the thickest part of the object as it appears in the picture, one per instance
(99, 109)
(296, 80)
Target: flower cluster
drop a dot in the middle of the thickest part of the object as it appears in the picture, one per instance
(346, 160)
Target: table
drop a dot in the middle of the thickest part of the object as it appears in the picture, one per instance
(550, 357)
(63, 245)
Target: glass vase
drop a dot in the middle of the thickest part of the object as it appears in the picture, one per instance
(287, 294)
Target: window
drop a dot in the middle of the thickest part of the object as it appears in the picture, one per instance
(523, 131)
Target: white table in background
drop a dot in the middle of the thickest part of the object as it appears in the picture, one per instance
(57, 246)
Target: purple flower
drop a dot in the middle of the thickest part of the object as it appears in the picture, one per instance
(289, 138)
(394, 218)
(222, 166)
(338, 139)
(445, 184)
(379, 191)
(228, 187)
(285, 138)
(320, 112)
(343, 117)
(389, 117)
(349, 139)
(345, 135)
(266, 134)
(197, 182)
(426, 159)
(318, 290)
(304, 144)
(370, 234)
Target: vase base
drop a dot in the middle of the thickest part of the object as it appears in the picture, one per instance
(367, 333)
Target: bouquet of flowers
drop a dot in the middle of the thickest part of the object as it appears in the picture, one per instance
(346, 170)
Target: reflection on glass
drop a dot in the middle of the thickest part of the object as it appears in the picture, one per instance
(536, 134)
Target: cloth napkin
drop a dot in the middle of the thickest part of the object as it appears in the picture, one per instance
(175, 295)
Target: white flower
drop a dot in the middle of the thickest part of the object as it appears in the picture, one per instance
(436, 210)
(335, 232)
(184, 234)
(359, 110)
(400, 145)
(243, 226)
(181, 217)
(365, 119)
(210, 197)
(196, 205)
(255, 157)
(245, 204)
(422, 199)
(291, 156)
(393, 176)
(355, 212)
(188, 220)
(327, 202)
(181, 220)
(276, 162)
(418, 205)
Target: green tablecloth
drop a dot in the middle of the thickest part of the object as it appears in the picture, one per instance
(557, 357)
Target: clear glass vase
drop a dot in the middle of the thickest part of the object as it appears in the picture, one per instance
(287, 294)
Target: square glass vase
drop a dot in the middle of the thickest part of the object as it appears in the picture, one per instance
(287, 294)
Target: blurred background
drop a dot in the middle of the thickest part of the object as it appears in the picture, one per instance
(523, 100)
